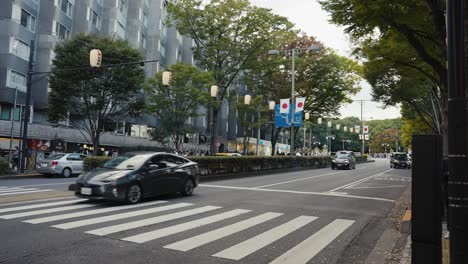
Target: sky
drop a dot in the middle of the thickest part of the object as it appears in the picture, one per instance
(311, 19)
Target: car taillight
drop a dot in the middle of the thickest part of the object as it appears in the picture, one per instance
(55, 163)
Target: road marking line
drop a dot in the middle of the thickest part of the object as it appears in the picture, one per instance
(255, 243)
(359, 181)
(109, 218)
(150, 221)
(155, 234)
(299, 192)
(205, 238)
(310, 247)
(16, 189)
(14, 193)
(46, 211)
(91, 212)
(302, 179)
(376, 187)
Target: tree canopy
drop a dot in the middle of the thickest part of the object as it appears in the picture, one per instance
(86, 97)
(174, 104)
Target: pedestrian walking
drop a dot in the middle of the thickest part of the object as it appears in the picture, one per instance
(16, 158)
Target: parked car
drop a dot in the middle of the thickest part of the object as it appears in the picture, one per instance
(132, 177)
(64, 164)
(400, 160)
(344, 159)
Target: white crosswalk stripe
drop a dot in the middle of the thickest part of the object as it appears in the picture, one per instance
(249, 246)
(119, 216)
(34, 206)
(148, 236)
(87, 213)
(46, 211)
(196, 241)
(191, 220)
(310, 247)
(15, 191)
(149, 221)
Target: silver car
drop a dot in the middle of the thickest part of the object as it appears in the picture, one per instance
(62, 164)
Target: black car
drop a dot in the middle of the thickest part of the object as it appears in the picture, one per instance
(132, 177)
(344, 159)
(400, 160)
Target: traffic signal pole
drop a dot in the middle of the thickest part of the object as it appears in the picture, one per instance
(457, 131)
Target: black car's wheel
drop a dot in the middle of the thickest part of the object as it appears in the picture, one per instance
(66, 173)
(134, 194)
(333, 167)
(354, 166)
(188, 187)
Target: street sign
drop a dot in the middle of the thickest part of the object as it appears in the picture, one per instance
(366, 129)
(284, 119)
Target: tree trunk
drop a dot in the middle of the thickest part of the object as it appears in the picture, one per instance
(214, 130)
(274, 138)
(95, 139)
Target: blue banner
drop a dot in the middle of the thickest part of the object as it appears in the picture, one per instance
(284, 119)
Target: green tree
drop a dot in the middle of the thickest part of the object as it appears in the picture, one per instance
(228, 35)
(403, 43)
(174, 104)
(88, 98)
(324, 78)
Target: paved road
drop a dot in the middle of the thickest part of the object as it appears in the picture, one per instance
(314, 216)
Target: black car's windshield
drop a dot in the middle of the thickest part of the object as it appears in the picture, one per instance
(126, 162)
(342, 156)
(401, 157)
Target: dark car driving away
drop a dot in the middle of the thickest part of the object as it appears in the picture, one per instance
(132, 177)
(344, 159)
(400, 160)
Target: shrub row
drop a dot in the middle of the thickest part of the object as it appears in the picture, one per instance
(4, 167)
(211, 165)
(91, 163)
(226, 165)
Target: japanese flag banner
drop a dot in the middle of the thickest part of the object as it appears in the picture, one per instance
(300, 104)
(284, 106)
(366, 129)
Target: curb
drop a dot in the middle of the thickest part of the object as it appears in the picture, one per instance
(405, 225)
(22, 176)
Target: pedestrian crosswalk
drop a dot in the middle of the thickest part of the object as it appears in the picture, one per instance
(6, 191)
(159, 220)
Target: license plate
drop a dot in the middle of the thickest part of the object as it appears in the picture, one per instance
(44, 164)
(86, 191)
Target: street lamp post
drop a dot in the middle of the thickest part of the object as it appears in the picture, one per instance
(293, 82)
(214, 95)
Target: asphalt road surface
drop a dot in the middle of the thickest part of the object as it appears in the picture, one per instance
(313, 216)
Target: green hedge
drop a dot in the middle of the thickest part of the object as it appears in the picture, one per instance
(91, 163)
(4, 167)
(225, 165)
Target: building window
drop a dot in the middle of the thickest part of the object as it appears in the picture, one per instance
(95, 19)
(143, 41)
(162, 49)
(145, 19)
(16, 80)
(66, 7)
(119, 29)
(99, 2)
(62, 32)
(5, 112)
(27, 20)
(19, 48)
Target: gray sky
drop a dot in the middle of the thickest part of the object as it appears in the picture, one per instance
(310, 18)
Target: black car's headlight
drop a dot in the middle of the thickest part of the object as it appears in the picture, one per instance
(346, 161)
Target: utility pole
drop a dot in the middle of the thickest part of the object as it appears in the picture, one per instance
(24, 149)
(457, 131)
(11, 128)
(362, 128)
